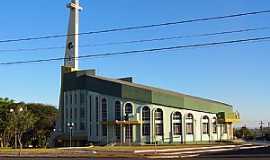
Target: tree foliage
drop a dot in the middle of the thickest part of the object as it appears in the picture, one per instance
(244, 132)
(33, 125)
(20, 121)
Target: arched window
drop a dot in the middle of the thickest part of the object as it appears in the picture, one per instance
(129, 128)
(214, 124)
(104, 109)
(146, 121)
(159, 122)
(189, 124)
(128, 108)
(159, 114)
(177, 116)
(177, 123)
(117, 108)
(190, 116)
(146, 113)
(205, 124)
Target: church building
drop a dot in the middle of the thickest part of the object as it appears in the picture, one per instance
(101, 110)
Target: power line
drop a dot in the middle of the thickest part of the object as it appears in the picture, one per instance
(138, 27)
(257, 39)
(142, 40)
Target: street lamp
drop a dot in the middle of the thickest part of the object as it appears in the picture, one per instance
(70, 125)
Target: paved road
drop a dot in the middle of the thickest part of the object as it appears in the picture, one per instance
(13, 158)
(247, 154)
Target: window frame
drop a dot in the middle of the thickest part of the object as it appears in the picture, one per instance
(128, 108)
(146, 113)
(117, 110)
(104, 112)
(146, 129)
(159, 129)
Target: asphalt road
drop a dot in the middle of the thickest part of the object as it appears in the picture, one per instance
(5, 158)
(247, 154)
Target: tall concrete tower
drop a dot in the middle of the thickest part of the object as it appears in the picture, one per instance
(71, 54)
(72, 44)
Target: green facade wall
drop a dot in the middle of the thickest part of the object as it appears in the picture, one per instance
(135, 93)
(132, 91)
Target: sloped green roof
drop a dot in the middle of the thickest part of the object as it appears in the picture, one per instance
(141, 93)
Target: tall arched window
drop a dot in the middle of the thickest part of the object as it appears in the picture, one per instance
(146, 113)
(177, 123)
(214, 124)
(104, 109)
(129, 128)
(117, 116)
(117, 110)
(159, 122)
(128, 108)
(159, 114)
(205, 124)
(189, 124)
(146, 121)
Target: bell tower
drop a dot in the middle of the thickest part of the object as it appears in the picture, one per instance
(72, 43)
(71, 54)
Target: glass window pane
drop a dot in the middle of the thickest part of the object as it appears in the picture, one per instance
(104, 109)
(146, 114)
(146, 129)
(117, 110)
(189, 128)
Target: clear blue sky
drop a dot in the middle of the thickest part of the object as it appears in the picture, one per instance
(234, 74)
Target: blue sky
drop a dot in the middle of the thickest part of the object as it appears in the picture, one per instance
(234, 74)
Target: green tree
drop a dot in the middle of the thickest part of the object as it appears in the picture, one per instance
(20, 121)
(244, 132)
(6, 101)
(39, 122)
(44, 126)
(4, 108)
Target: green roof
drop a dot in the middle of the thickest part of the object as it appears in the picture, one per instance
(123, 89)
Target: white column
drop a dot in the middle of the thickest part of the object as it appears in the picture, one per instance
(171, 124)
(183, 128)
(141, 125)
(152, 123)
(194, 121)
(210, 123)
